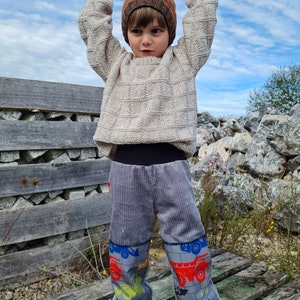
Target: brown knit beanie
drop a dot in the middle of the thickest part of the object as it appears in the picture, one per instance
(166, 7)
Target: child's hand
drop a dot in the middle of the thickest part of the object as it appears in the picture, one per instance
(104, 6)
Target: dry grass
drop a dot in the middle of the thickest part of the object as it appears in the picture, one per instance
(250, 233)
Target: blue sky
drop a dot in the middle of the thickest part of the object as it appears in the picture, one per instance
(40, 40)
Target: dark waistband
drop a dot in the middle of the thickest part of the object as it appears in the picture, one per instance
(148, 154)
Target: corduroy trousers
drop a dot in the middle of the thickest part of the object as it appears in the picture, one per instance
(138, 195)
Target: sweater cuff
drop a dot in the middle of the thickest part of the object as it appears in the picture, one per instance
(192, 3)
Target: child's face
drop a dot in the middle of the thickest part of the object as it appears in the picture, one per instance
(151, 40)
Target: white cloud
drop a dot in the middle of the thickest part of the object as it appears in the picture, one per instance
(41, 5)
(40, 40)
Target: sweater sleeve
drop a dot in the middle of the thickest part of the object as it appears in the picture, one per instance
(198, 29)
(95, 26)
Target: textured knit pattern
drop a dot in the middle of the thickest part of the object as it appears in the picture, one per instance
(166, 7)
(148, 100)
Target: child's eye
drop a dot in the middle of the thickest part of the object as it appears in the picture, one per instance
(156, 30)
(136, 31)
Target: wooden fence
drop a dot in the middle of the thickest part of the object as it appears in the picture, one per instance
(40, 117)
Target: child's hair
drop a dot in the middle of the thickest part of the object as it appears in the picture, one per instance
(145, 15)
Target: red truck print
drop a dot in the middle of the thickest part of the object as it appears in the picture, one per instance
(115, 271)
(190, 270)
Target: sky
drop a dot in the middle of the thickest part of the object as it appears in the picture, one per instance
(40, 40)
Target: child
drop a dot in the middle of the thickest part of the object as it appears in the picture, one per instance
(147, 127)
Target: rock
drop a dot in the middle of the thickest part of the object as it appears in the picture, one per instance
(22, 203)
(34, 116)
(73, 153)
(29, 156)
(53, 154)
(206, 118)
(38, 198)
(83, 118)
(240, 142)
(219, 147)
(9, 295)
(289, 217)
(285, 196)
(205, 136)
(11, 156)
(58, 116)
(229, 127)
(87, 154)
(294, 164)
(74, 194)
(211, 168)
(10, 115)
(64, 158)
(263, 159)
(252, 122)
(235, 161)
(7, 202)
(295, 111)
(285, 138)
(256, 159)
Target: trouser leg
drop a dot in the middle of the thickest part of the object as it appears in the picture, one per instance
(128, 270)
(131, 224)
(191, 268)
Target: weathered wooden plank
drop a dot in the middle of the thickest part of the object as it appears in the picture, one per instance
(44, 135)
(159, 277)
(20, 268)
(259, 282)
(289, 291)
(215, 251)
(94, 291)
(49, 96)
(163, 289)
(53, 219)
(103, 290)
(36, 178)
(227, 264)
(251, 283)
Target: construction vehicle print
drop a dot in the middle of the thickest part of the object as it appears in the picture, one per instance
(115, 270)
(123, 250)
(194, 247)
(190, 270)
(129, 292)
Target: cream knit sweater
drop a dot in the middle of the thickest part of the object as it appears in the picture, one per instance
(148, 100)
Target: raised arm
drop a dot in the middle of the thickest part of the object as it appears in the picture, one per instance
(198, 28)
(95, 25)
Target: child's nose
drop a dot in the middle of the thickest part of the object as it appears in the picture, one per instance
(146, 39)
